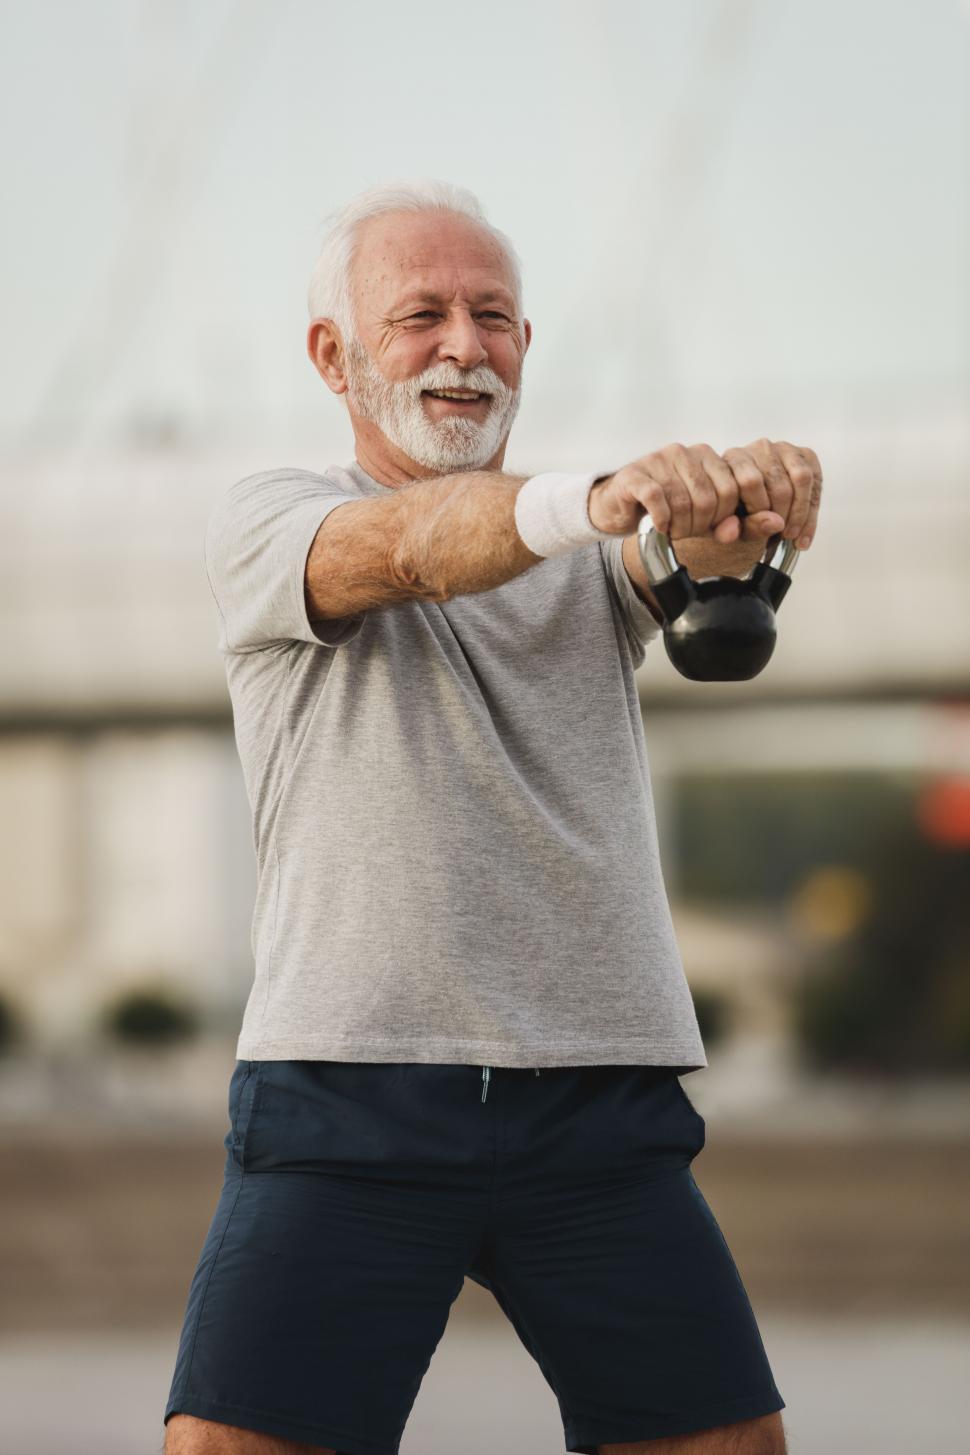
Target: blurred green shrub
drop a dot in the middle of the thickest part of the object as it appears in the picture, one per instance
(151, 1015)
(713, 1015)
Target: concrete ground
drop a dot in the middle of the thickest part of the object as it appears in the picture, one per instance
(845, 1207)
(851, 1386)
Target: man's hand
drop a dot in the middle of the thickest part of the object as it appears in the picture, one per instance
(691, 494)
(691, 491)
(783, 478)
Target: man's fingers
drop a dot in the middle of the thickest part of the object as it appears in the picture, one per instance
(781, 491)
(750, 481)
(725, 483)
(652, 495)
(815, 498)
(808, 531)
(692, 497)
(806, 490)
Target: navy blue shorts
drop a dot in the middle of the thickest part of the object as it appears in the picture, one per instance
(359, 1195)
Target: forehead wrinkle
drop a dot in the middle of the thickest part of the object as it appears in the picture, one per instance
(491, 294)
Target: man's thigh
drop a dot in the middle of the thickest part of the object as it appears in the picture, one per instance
(762, 1436)
(609, 1263)
(330, 1265)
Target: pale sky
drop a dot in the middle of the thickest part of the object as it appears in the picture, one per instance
(710, 198)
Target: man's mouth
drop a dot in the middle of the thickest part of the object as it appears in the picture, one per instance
(463, 398)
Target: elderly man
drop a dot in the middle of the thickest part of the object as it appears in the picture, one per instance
(461, 1052)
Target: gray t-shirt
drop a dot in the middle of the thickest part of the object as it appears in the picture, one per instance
(454, 828)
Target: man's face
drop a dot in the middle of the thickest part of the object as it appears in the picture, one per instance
(435, 310)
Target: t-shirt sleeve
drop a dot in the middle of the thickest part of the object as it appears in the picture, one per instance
(256, 544)
(639, 621)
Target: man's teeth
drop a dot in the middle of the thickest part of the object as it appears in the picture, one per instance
(454, 394)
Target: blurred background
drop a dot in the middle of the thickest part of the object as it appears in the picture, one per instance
(736, 218)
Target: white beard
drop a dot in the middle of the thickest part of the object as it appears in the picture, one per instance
(454, 443)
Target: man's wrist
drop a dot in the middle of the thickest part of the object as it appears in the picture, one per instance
(552, 513)
(592, 501)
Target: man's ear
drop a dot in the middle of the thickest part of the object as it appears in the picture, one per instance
(326, 350)
(528, 334)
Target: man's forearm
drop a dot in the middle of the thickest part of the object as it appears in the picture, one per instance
(435, 539)
(458, 534)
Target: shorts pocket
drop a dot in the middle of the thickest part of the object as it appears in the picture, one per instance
(331, 1117)
(699, 1121)
(243, 1093)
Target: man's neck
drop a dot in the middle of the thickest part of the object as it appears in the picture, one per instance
(386, 465)
(390, 466)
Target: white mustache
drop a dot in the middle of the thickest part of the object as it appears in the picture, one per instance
(482, 381)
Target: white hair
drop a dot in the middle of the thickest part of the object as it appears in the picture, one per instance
(329, 294)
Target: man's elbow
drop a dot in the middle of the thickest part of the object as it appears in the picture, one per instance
(412, 572)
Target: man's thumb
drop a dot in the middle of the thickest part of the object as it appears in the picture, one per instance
(761, 524)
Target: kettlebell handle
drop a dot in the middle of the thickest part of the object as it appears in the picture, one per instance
(660, 560)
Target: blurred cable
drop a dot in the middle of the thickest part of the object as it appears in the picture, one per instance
(176, 145)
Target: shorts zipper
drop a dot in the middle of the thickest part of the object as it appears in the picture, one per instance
(487, 1076)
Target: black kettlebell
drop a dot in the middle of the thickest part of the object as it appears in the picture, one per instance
(721, 628)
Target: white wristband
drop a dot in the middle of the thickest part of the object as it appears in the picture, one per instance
(552, 512)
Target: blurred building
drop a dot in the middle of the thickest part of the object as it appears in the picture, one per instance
(125, 843)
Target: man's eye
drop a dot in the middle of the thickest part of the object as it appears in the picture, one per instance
(425, 313)
(493, 314)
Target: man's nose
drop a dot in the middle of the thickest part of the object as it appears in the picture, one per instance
(461, 341)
